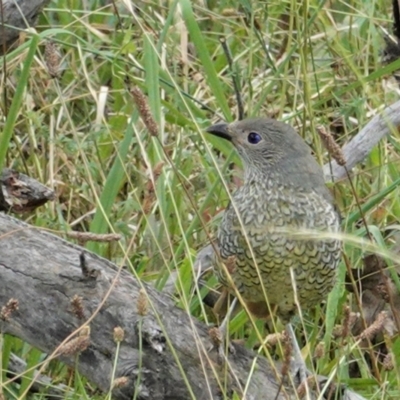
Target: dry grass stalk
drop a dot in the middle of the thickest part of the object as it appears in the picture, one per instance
(77, 344)
(142, 304)
(388, 363)
(144, 110)
(77, 307)
(346, 322)
(150, 196)
(120, 382)
(287, 353)
(273, 339)
(84, 237)
(119, 334)
(375, 328)
(6, 311)
(311, 382)
(333, 148)
(319, 351)
(215, 336)
(53, 57)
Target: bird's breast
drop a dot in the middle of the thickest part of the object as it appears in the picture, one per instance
(273, 231)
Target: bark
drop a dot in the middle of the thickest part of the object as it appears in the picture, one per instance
(44, 273)
(17, 15)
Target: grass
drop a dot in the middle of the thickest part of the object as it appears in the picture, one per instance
(307, 63)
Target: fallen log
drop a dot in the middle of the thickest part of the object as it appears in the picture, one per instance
(164, 353)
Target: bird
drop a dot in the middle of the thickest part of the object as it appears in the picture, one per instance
(281, 226)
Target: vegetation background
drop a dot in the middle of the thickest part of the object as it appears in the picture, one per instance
(307, 63)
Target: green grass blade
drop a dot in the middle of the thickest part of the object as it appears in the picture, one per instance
(17, 100)
(354, 217)
(113, 183)
(151, 66)
(210, 73)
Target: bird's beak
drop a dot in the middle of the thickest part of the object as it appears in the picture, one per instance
(220, 130)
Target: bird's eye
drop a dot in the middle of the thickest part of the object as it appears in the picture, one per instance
(254, 138)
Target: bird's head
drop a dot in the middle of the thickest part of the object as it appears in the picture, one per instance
(268, 146)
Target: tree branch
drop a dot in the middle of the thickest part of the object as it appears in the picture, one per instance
(361, 145)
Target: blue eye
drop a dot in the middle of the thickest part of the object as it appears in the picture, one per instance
(254, 138)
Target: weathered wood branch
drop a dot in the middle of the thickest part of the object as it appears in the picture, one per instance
(17, 367)
(20, 193)
(17, 15)
(43, 273)
(361, 145)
